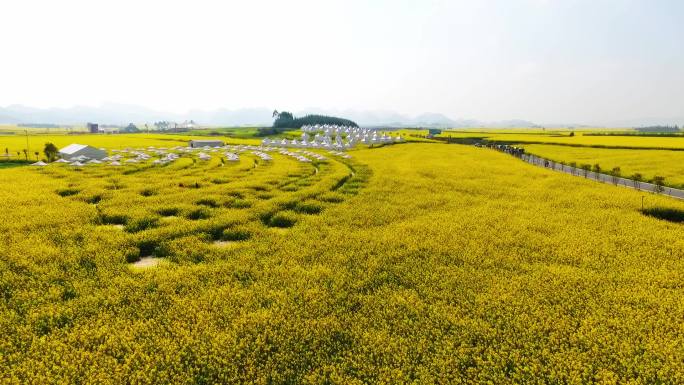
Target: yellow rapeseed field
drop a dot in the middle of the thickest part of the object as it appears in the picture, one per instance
(412, 263)
(36, 143)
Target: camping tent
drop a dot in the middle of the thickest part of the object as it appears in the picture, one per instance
(81, 151)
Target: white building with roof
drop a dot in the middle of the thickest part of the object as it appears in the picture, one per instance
(205, 143)
(75, 150)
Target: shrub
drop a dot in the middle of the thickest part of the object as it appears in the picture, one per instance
(236, 234)
(169, 211)
(331, 197)
(200, 213)
(113, 219)
(238, 204)
(67, 192)
(148, 192)
(308, 208)
(283, 219)
(209, 202)
(141, 224)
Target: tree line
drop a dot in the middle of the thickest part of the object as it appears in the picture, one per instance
(674, 128)
(287, 120)
(615, 173)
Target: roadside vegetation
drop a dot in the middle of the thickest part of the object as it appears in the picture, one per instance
(647, 163)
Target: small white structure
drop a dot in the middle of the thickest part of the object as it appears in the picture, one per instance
(39, 163)
(205, 143)
(81, 151)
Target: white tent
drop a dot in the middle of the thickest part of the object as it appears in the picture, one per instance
(39, 163)
(81, 151)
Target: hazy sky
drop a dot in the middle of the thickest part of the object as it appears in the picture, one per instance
(546, 61)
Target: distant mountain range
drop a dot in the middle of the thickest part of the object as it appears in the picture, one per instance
(375, 118)
(121, 114)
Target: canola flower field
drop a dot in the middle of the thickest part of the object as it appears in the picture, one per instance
(412, 263)
(17, 143)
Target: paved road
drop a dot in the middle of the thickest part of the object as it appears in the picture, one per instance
(629, 183)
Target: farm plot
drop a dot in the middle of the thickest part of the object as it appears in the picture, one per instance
(418, 263)
(180, 205)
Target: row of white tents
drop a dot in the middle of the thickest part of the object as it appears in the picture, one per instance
(295, 155)
(325, 141)
(262, 155)
(164, 155)
(331, 129)
(341, 154)
(334, 137)
(314, 155)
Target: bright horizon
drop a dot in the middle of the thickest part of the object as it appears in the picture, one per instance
(546, 61)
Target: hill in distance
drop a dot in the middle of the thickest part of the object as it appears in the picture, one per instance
(122, 114)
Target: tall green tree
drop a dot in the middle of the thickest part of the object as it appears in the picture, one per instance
(585, 168)
(637, 178)
(659, 183)
(285, 119)
(50, 151)
(615, 174)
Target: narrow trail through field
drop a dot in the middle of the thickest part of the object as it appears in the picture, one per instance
(346, 178)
